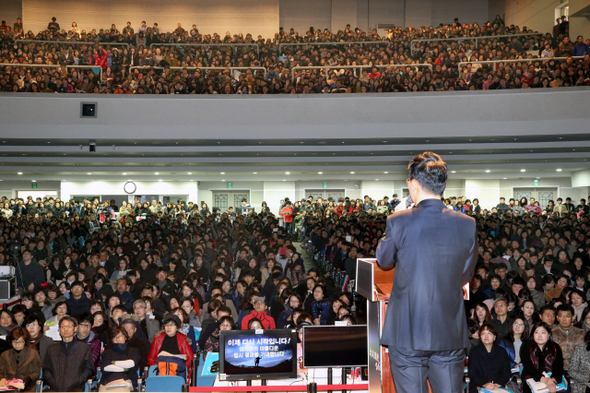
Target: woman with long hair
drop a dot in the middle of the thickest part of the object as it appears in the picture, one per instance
(540, 356)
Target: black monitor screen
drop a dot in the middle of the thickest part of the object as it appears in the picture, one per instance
(335, 346)
(260, 354)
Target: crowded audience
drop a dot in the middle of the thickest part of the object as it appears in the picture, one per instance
(153, 275)
(134, 61)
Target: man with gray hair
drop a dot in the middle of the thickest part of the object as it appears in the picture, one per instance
(148, 324)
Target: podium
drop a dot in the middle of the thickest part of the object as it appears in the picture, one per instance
(375, 285)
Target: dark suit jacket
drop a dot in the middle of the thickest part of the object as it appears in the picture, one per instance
(434, 251)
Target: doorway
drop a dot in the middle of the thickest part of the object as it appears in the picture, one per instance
(223, 200)
(541, 194)
(326, 193)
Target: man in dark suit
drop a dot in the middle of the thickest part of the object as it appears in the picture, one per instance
(434, 252)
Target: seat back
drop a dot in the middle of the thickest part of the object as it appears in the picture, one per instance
(164, 383)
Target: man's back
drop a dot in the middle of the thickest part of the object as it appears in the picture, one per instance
(434, 251)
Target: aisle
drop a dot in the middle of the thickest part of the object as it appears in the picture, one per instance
(308, 263)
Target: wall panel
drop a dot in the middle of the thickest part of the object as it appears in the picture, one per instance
(260, 17)
(302, 14)
(10, 10)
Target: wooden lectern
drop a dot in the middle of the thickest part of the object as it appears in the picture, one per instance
(375, 284)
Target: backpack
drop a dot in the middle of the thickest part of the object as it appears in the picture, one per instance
(171, 365)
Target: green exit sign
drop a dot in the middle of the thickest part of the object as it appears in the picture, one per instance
(34, 184)
(325, 184)
(535, 182)
(230, 185)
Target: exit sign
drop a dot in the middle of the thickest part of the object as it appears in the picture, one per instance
(535, 182)
(34, 184)
(325, 184)
(230, 185)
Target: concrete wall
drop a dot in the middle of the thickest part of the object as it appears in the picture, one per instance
(579, 18)
(538, 15)
(260, 17)
(210, 16)
(302, 14)
(377, 115)
(10, 10)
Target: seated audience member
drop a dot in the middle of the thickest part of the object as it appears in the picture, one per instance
(123, 285)
(529, 313)
(185, 328)
(501, 322)
(68, 364)
(119, 360)
(100, 326)
(293, 302)
(578, 303)
(547, 315)
(7, 322)
(255, 324)
(320, 307)
(86, 335)
(481, 314)
(212, 344)
(565, 334)
(21, 361)
(540, 356)
(217, 314)
(148, 323)
(260, 313)
(78, 302)
(579, 368)
(171, 343)
(519, 333)
(489, 365)
(37, 339)
(141, 344)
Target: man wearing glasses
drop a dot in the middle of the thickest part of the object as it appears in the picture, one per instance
(68, 364)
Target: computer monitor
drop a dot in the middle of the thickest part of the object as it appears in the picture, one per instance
(335, 346)
(257, 354)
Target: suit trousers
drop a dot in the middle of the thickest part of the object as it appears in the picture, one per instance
(411, 369)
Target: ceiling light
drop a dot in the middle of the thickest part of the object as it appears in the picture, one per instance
(160, 180)
(352, 173)
(376, 179)
(505, 178)
(89, 173)
(189, 173)
(222, 173)
(64, 180)
(20, 173)
(488, 171)
(558, 169)
(287, 173)
(255, 173)
(156, 173)
(124, 173)
(222, 179)
(385, 172)
(453, 171)
(33, 181)
(284, 179)
(320, 173)
(523, 170)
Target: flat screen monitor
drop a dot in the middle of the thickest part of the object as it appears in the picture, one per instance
(335, 346)
(257, 354)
